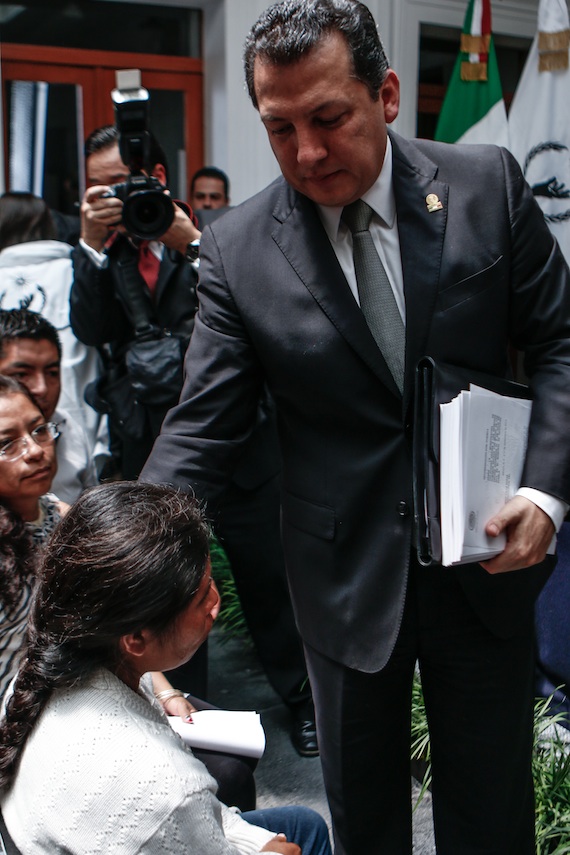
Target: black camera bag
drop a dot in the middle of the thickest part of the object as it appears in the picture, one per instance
(154, 359)
(113, 394)
(154, 368)
(151, 376)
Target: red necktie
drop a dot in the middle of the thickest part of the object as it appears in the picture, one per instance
(149, 266)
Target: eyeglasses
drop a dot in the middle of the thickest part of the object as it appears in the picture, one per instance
(41, 435)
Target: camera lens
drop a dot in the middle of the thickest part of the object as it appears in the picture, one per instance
(147, 214)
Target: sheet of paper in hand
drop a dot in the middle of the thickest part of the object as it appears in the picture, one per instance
(232, 731)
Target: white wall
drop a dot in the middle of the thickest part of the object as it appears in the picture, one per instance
(235, 139)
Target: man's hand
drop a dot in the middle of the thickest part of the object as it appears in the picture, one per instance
(99, 215)
(181, 232)
(279, 844)
(529, 532)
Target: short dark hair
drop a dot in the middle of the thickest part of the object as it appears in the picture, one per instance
(108, 135)
(128, 556)
(211, 172)
(21, 323)
(287, 31)
(23, 218)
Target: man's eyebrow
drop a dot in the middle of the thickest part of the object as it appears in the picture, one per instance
(114, 179)
(18, 364)
(269, 117)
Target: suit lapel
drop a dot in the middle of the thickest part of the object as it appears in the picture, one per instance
(421, 234)
(318, 268)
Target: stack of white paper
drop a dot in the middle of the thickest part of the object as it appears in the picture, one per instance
(232, 731)
(483, 444)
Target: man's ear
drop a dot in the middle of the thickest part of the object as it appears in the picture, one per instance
(390, 96)
(159, 172)
(134, 644)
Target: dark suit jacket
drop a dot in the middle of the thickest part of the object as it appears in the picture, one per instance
(479, 274)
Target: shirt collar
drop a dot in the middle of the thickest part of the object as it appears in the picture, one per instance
(380, 197)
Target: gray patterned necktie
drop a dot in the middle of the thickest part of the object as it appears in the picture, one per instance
(377, 299)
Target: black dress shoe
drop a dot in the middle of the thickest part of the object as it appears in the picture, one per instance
(304, 730)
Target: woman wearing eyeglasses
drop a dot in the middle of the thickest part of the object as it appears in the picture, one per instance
(28, 512)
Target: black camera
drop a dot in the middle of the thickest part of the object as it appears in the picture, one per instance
(148, 212)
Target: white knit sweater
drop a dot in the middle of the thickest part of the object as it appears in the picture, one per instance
(104, 772)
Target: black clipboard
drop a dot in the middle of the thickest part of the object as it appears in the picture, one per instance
(438, 383)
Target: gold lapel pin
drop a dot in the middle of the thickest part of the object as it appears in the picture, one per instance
(433, 203)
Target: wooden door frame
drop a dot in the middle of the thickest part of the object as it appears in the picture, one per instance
(95, 70)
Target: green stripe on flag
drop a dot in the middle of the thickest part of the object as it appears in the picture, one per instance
(468, 101)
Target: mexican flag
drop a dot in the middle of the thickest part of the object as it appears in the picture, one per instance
(473, 109)
(539, 119)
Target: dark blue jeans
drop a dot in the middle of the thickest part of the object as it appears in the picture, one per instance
(300, 825)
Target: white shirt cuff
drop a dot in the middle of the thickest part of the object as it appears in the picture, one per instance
(99, 259)
(555, 508)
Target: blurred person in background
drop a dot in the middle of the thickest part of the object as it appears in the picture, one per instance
(36, 273)
(28, 511)
(30, 352)
(209, 194)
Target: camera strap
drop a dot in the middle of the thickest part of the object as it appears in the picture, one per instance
(143, 318)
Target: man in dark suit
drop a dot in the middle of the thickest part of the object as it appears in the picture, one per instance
(472, 269)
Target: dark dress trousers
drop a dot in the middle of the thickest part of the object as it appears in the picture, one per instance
(480, 274)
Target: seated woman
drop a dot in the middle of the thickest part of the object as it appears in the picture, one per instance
(88, 762)
(28, 513)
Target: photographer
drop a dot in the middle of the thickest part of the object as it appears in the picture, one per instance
(121, 284)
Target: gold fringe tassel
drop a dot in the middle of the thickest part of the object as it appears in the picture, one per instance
(553, 50)
(554, 41)
(472, 71)
(475, 44)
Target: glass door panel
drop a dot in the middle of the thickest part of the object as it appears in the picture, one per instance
(44, 129)
(53, 98)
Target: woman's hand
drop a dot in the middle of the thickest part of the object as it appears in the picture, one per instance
(178, 706)
(172, 701)
(279, 844)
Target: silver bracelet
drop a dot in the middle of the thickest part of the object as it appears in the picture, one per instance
(166, 694)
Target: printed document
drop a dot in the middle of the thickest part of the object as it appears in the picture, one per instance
(483, 445)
